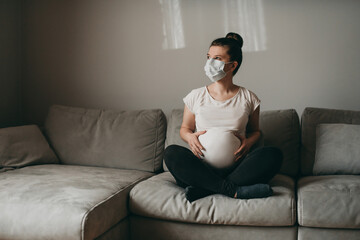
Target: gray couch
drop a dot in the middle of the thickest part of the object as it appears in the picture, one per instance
(80, 189)
(103, 178)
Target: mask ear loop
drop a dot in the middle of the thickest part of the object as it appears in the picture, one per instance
(228, 63)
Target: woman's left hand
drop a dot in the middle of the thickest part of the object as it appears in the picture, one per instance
(243, 149)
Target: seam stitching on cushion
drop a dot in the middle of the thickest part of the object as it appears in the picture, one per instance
(99, 203)
(156, 139)
(327, 190)
(294, 205)
(298, 207)
(292, 211)
(301, 208)
(292, 122)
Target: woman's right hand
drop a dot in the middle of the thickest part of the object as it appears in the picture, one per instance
(194, 143)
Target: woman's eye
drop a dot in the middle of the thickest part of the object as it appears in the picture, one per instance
(207, 57)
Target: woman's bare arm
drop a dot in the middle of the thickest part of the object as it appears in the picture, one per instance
(188, 124)
(253, 129)
(187, 130)
(252, 134)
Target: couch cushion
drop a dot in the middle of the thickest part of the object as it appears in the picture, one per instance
(173, 131)
(331, 201)
(24, 145)
(63, 202)
(310, 118)
(337, 149)
(160, 197)
(280, 128)
(123, 139)
(143, 227)
(305, 233)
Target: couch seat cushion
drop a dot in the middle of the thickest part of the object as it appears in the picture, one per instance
(331, 201)
(63, 202)
(160, 197)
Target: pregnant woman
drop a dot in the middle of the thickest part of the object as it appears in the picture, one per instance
(221, 126)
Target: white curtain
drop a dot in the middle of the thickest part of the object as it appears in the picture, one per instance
(173, 30)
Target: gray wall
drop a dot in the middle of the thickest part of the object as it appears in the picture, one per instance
(10, 63)
(135, 54)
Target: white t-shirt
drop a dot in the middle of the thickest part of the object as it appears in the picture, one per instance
(229, 115)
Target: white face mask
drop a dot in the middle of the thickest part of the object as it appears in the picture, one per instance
(214, 69)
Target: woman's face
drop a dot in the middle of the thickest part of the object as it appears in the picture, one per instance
(220, 53)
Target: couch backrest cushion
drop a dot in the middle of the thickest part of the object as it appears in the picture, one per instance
(280, 128)
(23, 146)
(173, 131)
(106, 138)
(310, 119)
(337, 149)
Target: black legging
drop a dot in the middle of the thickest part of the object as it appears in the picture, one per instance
(259, 166)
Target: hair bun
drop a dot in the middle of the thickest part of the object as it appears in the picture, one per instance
(236, 37)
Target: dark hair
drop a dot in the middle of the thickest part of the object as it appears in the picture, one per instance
(234, 42)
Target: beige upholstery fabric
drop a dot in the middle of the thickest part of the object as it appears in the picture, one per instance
(159, 197)
(123, 139)
(329, 201)
(146, 228)
(23, 146)
(63, 202)
(280, 128)
(173, 131)
(305, 233)
(119, 231)
(310, 118)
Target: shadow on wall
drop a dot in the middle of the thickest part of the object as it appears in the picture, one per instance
(245, 17)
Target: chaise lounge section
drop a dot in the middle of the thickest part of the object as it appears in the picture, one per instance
(83, 194)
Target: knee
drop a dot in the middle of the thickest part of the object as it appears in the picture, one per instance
(171, 154)
(275, 156)
(270, 155)
(172, 150)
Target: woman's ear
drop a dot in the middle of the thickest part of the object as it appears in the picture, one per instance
(235, 64)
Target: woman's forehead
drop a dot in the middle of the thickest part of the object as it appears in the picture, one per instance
(218, 50)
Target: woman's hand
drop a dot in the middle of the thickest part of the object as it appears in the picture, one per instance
(243, 149)
(194, 143)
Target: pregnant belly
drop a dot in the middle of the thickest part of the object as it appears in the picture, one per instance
(219, 147)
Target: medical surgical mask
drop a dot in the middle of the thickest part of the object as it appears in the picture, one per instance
(214, 69)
